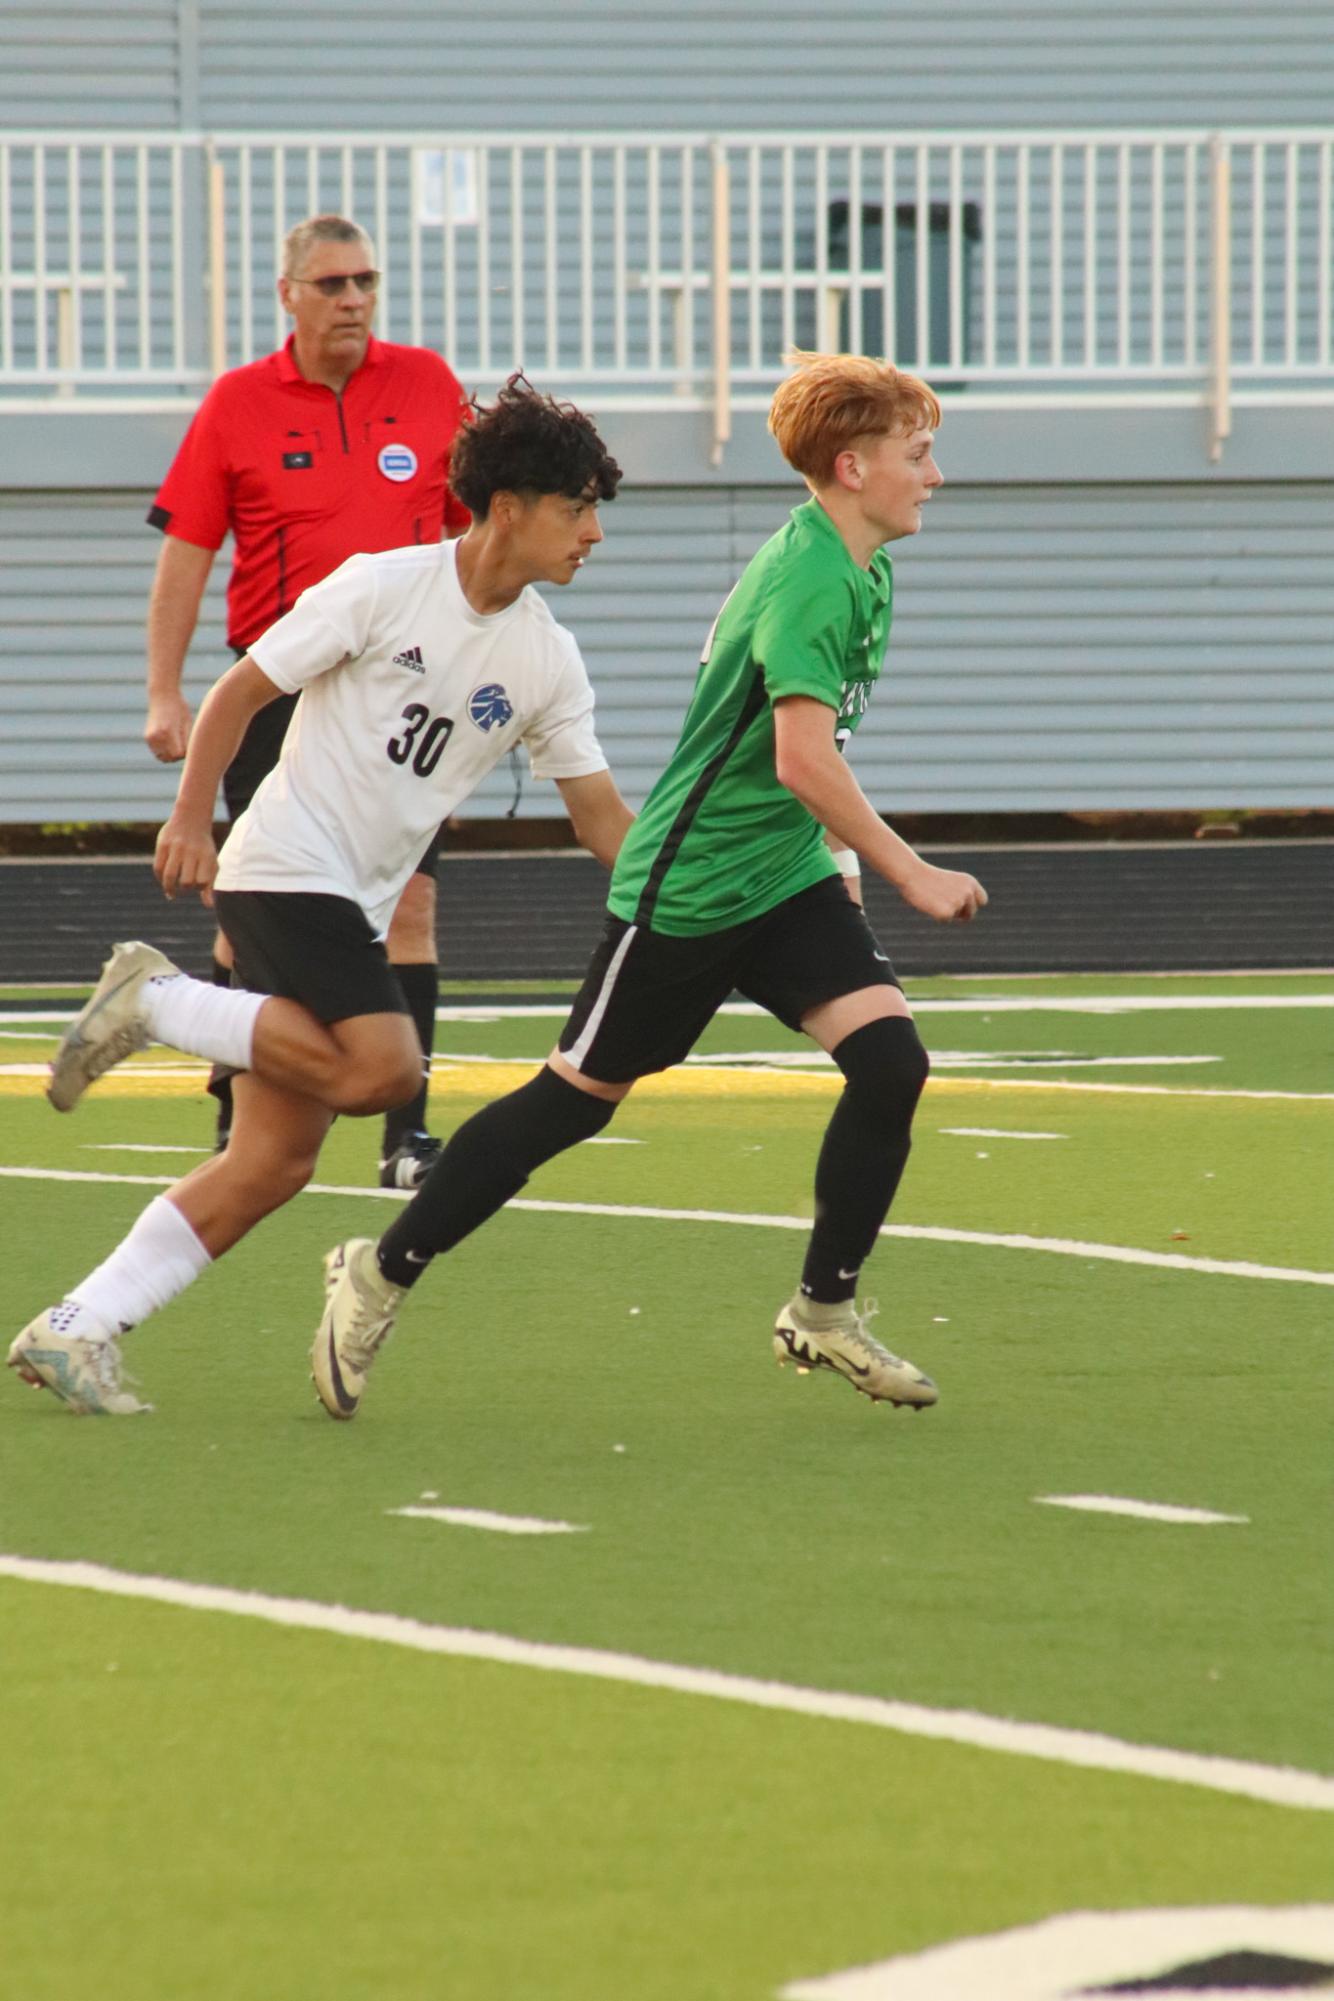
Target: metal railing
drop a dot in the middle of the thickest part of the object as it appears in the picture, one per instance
(660, 268)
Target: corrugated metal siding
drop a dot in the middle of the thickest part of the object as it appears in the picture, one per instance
(618, 64)
(1080, 647)
(75, 571)
(1054, 648)
(92, 65)
(332, 66)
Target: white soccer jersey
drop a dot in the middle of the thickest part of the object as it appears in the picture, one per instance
(408, 698)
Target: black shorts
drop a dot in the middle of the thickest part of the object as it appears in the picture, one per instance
(319, 950)
(261, 747)
(647, 997)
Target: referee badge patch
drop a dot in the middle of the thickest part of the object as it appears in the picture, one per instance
(397, 462)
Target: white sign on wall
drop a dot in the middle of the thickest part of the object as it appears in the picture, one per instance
(446, 185)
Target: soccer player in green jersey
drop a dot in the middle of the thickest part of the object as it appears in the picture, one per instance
(740, 874)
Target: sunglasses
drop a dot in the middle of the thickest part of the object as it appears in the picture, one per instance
(365, 281)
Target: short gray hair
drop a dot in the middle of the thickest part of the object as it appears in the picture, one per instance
(301, 240)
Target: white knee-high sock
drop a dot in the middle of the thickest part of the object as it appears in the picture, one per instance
(159, 1258)
(194, 1015)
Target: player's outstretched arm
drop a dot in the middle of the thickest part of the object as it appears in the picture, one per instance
(807, 762)
(598, 814)
(173, 612)
(186, 858)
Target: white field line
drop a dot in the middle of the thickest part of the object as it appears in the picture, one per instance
(816, 1063)
(139, 1147)
(1110, 1004)
(1071, 1247)
(1146, 1511)
(1276, 1785)
(1144, 1090)
(989, 1240)
(1007, 1004)
(968, 1132)
(1055, 1059)
(483, 1518)
(1084, 1952)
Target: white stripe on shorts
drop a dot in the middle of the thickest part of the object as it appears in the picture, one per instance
(575, 1056)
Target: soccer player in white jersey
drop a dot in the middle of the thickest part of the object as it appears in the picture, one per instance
(418, 670)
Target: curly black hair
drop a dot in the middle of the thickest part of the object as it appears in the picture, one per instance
(528, 443)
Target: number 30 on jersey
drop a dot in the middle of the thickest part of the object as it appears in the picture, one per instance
(423, 741)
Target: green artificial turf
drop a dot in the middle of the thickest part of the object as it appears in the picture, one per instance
(255, 1812)
(245, 1812)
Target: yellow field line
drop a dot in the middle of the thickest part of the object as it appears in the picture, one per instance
(491, 1080)
(488, 1080)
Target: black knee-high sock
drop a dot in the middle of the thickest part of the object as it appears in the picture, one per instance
(221, 1086)
(864, 1152)
(421, 987)
(486, 1162)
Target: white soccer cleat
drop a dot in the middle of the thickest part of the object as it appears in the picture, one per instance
(110, 1027)
(848, 1349)
(85, 1375)
(360, 1308)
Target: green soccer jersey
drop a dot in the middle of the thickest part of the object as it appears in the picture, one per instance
(719, 840)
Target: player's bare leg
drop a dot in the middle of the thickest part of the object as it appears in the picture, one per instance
(363, 1064)
(73, 1348)
(356, 1067)
(275, 1144)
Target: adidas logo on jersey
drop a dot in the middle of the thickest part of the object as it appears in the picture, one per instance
(411, 657)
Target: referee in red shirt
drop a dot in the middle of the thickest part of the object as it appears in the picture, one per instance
(336, 445)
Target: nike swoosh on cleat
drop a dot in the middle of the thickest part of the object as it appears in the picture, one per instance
(812, 1358)
(105, 1001)
(346, 1401)
(76, 1037)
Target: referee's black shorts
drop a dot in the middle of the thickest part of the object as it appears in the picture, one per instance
(647, 997)
(259, 751)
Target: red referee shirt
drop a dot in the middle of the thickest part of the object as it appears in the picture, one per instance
(305, 478)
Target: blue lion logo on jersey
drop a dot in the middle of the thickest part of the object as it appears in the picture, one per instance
(490, 707)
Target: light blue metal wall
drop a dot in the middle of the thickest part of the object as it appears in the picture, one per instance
(1164, 641)
(113, 64)
(491, 65)
(1054, 648)
(756, 64)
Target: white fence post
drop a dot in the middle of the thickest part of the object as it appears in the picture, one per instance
(722, 302)
(217, 264)
(1058, 263)
(1220, 307)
